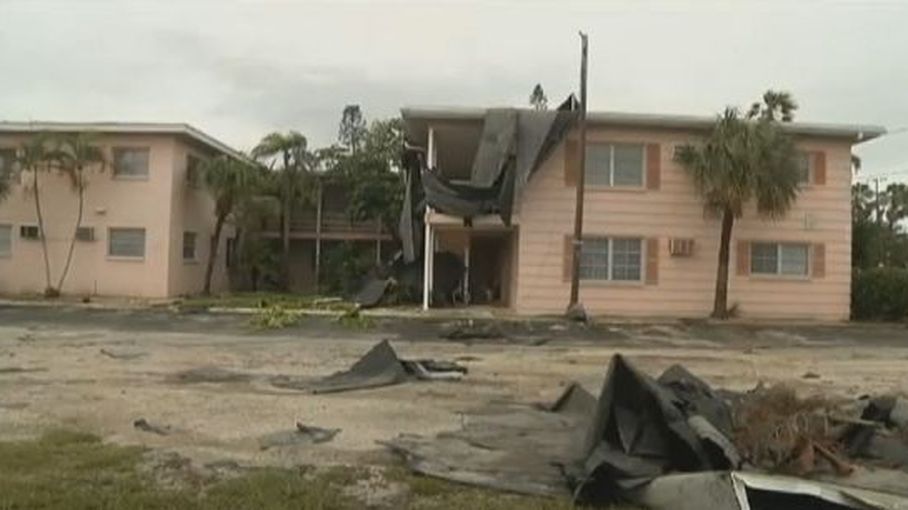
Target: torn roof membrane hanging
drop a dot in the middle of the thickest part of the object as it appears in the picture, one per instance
(512, 145)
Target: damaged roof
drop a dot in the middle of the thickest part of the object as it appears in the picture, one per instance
(418, 117)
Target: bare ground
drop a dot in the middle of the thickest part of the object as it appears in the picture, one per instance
(53, 373)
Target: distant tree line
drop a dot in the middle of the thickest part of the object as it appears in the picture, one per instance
(879, 236)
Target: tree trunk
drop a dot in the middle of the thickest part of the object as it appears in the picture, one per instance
(48, 290)
(72, 242)
(213, 253)
(720, 306)
(285, 239)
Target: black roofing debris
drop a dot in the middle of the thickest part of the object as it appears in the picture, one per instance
(153, 428)
(379, 367)
(302, 434)
(513, 143)
(674, 442)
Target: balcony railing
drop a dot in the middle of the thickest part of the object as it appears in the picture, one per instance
(305, 222)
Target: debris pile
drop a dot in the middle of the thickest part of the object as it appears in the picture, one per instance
(379, 367)
(674, 442)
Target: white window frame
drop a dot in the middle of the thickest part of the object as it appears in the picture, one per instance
(110, 234)
(611, 166)
(611, 259)
(131, 177)
(8, 252)
(778, 272)
(195, 247)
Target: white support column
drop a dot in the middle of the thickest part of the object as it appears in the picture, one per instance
(428, 254)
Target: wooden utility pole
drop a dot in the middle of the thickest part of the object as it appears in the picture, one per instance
(581, 178)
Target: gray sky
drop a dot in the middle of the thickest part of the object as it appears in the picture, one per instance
(238, 69)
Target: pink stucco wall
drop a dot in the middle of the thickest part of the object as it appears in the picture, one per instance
(162, 204)
(685, 285)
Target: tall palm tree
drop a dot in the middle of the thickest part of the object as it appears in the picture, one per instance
(74, 155)
(740, 160)
(290, 150)
(34, 156)
(231, 182)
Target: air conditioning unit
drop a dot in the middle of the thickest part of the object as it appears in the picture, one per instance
(85, 234)
(681, 247)
(29, 232)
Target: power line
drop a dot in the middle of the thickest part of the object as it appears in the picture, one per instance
(881, 175)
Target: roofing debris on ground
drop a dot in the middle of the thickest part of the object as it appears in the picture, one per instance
(153, 428)
(674, 442)
(302, 434)
(379, 367)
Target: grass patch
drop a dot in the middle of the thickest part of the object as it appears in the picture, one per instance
(76, 471)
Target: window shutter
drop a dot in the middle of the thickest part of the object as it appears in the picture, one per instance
(653, 166)
(568, 258)
(818, 266)
(652, 261)
(819, 168)
(571, 164)
(743, 255)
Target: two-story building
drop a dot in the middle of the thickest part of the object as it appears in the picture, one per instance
(648, 247)
(147, 223)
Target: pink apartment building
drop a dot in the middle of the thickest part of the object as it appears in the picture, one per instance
(649, 249)
(147, 222)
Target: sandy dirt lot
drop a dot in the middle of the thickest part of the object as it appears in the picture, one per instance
(53, 373)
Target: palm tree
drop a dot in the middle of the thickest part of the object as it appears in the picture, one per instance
(231, 183)
(74, 155)
(34, 156)
(740, 160)
(291, 151)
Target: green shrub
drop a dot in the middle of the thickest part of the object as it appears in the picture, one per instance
(879, 294)
(345, 266)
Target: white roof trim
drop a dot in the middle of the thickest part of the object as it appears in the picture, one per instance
(124, 127)
(856, 132)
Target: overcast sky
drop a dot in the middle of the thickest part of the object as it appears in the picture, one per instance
(238, 69)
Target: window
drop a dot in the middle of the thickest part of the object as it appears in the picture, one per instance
(788, 259)
(193, 176)
(6, 240)
(29, 232)
(131, 163)
(617, 165)
(802, 160)
(126, 242)
(611, 259)
(189, 239)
